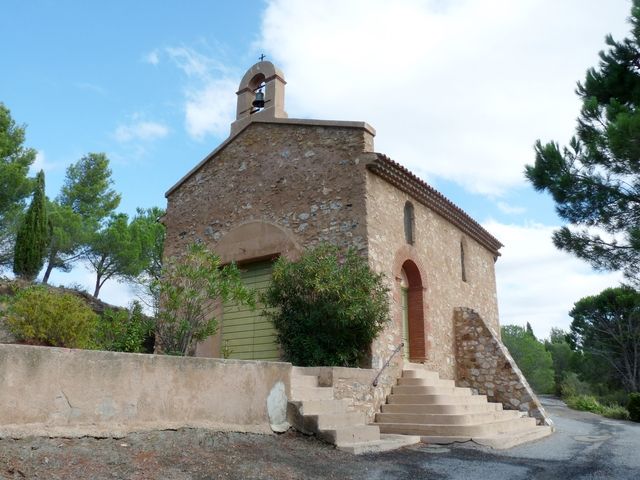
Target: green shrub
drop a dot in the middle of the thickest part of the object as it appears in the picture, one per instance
(634, 406)
(124, 331)
(572, 386)
(327, 307)
(535, 362)
(187, 289)
(42, 317)
(615, 411)
(589, 403)
(614, 397)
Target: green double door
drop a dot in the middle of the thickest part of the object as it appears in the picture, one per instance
(246, 333)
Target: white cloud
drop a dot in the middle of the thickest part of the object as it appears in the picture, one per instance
(91, 87)
(41, 163)
(504, 207)
(141, 130)
(152, 58)
(209, 94)
(537, 283)
(210, 109)
(191, 62)
(460, 89)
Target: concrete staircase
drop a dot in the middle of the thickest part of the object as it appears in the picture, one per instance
(314, 410)
(439, 412)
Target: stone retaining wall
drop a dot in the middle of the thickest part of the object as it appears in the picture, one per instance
(357, 384)
(62, 392)
(485, 365)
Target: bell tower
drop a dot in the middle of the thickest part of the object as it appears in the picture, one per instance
(260, 95)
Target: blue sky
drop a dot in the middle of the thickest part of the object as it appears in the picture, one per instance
(457, 90)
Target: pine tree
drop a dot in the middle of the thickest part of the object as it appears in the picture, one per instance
(33, 235)
(595, 181)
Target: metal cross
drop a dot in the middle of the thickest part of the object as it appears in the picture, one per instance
(261, 57)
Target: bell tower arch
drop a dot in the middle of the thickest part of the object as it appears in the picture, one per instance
(262, 78)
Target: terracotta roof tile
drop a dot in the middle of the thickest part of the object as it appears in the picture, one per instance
(409, 183)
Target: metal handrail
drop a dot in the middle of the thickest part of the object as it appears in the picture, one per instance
(386, 364)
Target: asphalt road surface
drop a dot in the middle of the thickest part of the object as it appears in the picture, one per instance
(585, 446)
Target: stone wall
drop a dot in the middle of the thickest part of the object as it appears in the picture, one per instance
(62, 392)
(305, 179)
(357, 384)
(274, 189)
(485, 365)
(436, 253)
(278, 188)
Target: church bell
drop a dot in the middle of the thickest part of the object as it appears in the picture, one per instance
(259, 101)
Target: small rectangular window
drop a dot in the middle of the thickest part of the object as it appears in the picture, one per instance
(462, 265)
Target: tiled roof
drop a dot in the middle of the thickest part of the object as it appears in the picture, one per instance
(402, 178)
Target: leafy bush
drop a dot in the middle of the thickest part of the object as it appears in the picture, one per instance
(327, 307)
(187, 289)
(589, 403)
(634, 406)
(534, 361)
(572, 386)
(124, 331)
(42, 317)
(615, 411)
(611, 397)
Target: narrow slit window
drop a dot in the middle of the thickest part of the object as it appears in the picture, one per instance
(462, 265)
(409, 221)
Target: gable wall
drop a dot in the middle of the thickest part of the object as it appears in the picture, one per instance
(305, 179)
(437, 249)
(298, 185)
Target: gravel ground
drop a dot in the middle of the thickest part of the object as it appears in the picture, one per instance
(188, 454)
(584, 447)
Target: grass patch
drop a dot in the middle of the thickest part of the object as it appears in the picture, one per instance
(589, 403)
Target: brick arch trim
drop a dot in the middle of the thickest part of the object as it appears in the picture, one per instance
(406, 258)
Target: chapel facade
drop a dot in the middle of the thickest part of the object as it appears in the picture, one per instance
(279, 185)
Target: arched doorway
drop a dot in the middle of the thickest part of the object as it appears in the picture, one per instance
(412, 311)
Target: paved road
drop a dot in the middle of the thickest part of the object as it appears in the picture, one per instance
(585, 446)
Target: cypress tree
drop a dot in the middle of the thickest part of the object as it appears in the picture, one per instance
(33, 235)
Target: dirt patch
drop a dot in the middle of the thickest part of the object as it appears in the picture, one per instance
(188, 454)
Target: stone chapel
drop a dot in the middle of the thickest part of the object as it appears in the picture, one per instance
(278, 185)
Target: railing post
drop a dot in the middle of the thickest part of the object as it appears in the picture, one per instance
(386, 364)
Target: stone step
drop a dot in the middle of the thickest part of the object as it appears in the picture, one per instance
(429, 390)
(425, 382)
(328, 421)
(304, 381)
(511, 439)
(318, 407)
(437, 399)
(414, 366)
(452, 409)
(350, 435)
(311, 393)
(478, 430)
(385, 444)
(444, 419)
(426, 375)
(306, 371)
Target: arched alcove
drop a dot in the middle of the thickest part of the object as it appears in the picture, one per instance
(413, 294)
